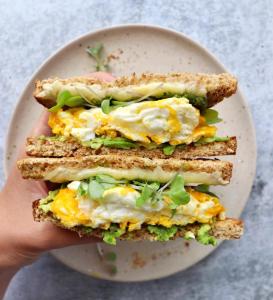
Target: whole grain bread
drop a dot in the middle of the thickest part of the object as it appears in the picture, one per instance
(41, 167)
(226, 229)
(218, 86)
(71, 148)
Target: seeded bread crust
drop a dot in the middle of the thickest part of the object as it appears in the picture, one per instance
(218, 86)
(226, 229)
(71, 148)
(39, 167)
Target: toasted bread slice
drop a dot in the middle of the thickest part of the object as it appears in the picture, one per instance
(198, 171)
(226, 229)
(71, 148)
(214, 87)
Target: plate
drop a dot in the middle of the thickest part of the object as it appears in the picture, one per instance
(141, 48)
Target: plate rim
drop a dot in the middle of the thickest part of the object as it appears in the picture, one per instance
(130, 26)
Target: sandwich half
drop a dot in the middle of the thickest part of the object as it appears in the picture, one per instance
(105, 207)
(147, 112)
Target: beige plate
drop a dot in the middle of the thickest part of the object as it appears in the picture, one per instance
(144, 48)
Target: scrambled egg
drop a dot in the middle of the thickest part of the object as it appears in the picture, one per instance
(172, 120)
(118, 205)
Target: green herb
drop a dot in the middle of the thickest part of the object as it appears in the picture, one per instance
(204, 188)
(168, 150)
(108, 181)
(82, 189)
(110, 235)
(204, 237)
(105, 106)
(212, 139)
(110, 256)
(65, 98)
(211, 116)
(75, 101)
(96, 53)
(95, 190)
(147, 193)
(177, 192)
(189, 235)
(161, 233)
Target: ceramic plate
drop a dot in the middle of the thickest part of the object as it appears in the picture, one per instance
(141, 48)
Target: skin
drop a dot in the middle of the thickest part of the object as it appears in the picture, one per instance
(21, 239)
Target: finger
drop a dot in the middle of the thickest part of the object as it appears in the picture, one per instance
(55, 237)
(41, 127)
(102, 76)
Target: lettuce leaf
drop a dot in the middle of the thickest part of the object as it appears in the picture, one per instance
(211, 116)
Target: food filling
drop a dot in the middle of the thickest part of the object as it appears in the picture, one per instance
(124, 206)
(174, 121)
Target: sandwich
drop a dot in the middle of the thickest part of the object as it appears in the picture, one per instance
(133, 159)
(150, 112)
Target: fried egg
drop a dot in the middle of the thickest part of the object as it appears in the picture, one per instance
(173, 120)
(118, 205)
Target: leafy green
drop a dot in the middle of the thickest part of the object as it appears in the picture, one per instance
(204, 237)
(199, 102)
(65, 98)
(211, 116)
(108, 179)
(212, 139)
(108, 182)
(82, 189)
(161, 233)
(95, 190)
(177, 192)
(110, 235)
(95, 143)
(147, 193)
(105, 106)
(168, 150)
(117, 142)
(96, 53)
(204, 188)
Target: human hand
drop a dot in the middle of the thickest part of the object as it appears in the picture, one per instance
(21, 238)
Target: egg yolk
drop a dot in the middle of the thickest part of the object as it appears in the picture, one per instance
(66, 208)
